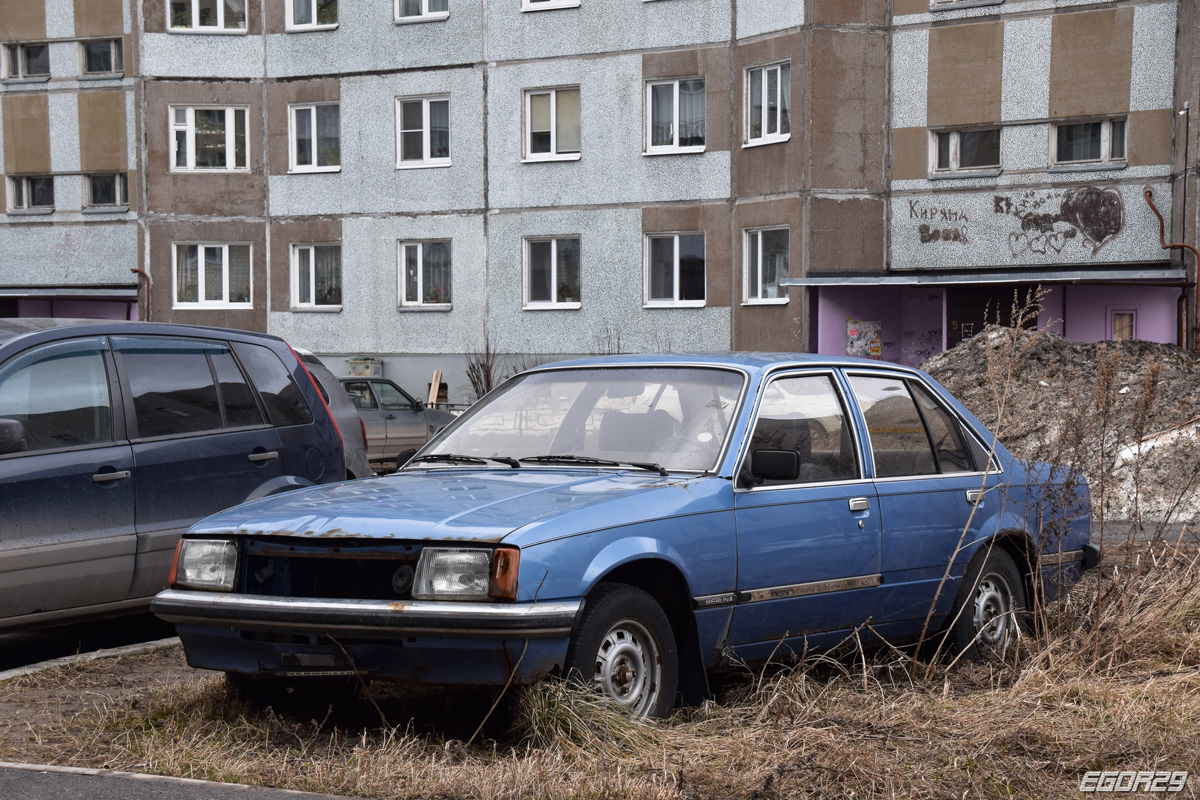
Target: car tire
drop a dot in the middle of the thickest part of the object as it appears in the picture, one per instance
(624, 647)
(990, 606)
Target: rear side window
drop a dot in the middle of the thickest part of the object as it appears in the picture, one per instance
(280, 394)
(59, 394)
(948, 445)
(182, 386)
(898, 439)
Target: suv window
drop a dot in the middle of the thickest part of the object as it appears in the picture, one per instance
(282, 397)
(59, 394)
(805, 415)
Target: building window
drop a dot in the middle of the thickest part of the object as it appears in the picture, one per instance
(552, 124)
(766, 260)
(31, 193)
(212, 275)
(425, 274)
(768, 104)
(422, 10)
(423, 132)
(208, 138)
(316, 276)
(540, 5)
(955, 151)
(1101, 141)
(1123, 325)
(208, 15)
(27, 61)
(676, 116)
(552, 273)
(108, 190)
(307, 15)
(316, 140)
(675, 269)
(103, 57)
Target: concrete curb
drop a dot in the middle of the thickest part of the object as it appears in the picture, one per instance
(141, 776)
(114, 652)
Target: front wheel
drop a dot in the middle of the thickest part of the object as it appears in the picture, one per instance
(991, 601)
(624, 647)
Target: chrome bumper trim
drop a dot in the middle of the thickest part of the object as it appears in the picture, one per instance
(814, 587)
(1065, 557)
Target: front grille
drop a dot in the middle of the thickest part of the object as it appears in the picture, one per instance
(351, 569)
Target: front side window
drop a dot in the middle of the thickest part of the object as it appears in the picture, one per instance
(675, 269)
(316, 275)
(425, 273)
(59, 394)
(766, 260)
(966, 150)
(768, 104)
(1101, 141)
(676, 110)
(212, 275)
(311, 14)
(552, 124)
(209, 138)
(27, 61)
(423, 132)
(108, 190)
(103, 57)
(421, 10)
(31, 193)
(316, 140)
(552, 273)
(216, 16)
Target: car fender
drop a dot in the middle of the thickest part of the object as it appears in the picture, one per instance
(626, 550)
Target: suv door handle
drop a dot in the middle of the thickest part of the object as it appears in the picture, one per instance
(860, 504)
(389, 416)
(104, 477)
(267, 456)
(974, 496)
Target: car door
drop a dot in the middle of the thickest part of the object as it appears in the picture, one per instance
(404, 417)
(67, 496)
(200, 440)
(368, 409)
(807, 544)
(933, 499)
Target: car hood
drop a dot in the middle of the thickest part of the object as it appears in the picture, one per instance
(473, 505)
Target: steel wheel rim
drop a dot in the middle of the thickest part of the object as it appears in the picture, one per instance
(629, 667)
(993, 611)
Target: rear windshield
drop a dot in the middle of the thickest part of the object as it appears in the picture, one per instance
(280, 394)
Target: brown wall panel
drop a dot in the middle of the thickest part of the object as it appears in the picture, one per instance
(279, 97)
(1091, 58)
(26, 133)
(163, 236)
(848, 108)
(845, 235)
(275, 17)
(99, 18)
(134, 194)
(283, 236)
(777, 167)
(713, 64)
(769, 327)
(851, 12)
(23, 20)
(900, 7)
(1149, 137)
(965, 65)
(711, 218)
(201, 192)
(154, 17)
(102, 128)
(910, 153)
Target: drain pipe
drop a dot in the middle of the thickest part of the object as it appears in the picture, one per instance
(1162, 241)
(143, 308)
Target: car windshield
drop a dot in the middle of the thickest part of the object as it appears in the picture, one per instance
(676, 417)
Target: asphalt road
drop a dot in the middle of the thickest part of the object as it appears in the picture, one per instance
(34, 784)
(30, 647)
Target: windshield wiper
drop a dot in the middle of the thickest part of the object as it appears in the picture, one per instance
(510, 461)
(567, 458)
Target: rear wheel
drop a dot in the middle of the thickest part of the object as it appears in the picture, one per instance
(990, 604)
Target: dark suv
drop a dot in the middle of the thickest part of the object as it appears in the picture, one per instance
(117, 436)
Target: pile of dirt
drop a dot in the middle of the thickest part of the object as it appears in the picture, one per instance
(1126, 414)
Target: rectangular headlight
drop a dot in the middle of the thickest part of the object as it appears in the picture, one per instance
(206, 564)
(449, 573)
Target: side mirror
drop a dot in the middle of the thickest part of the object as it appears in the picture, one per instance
(775, 465)
(12, 436)
(418, 405)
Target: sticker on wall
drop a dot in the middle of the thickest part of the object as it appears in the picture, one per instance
(864, 339)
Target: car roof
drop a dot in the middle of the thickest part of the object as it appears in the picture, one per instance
(16, 328)
(752, 362)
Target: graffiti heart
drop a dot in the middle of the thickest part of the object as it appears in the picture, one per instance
(1093, 215)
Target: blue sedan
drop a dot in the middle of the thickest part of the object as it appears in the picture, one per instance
(640, 522)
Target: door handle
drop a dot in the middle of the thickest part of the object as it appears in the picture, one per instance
(860, 504)
(104, 477)
(389, 416)
(267, 456)
(974, 496)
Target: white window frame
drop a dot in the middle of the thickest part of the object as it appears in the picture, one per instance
(293, 164)
(1106, 161)
(528, 155)
(553, 304)
(748, 268)
(21, 75)
(649, 302)
(299, 303)
(189, 127)
(954, 168)
(419, 302)
(426, 161)
(425, 16)
(219, 29)
(25, 207)
(546, 5)
(116, 55)
(200, 275)
(767, 137)
(121, 181)
(671, 148)
(290, 11)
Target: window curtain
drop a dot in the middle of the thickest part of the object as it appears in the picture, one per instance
(568, 120)
(691, 113)
(187, 274)
(662, 114)
(439, 128)
(239, 273)
(437, 273)
(327, 271)
(329, 136)
(568, 270)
